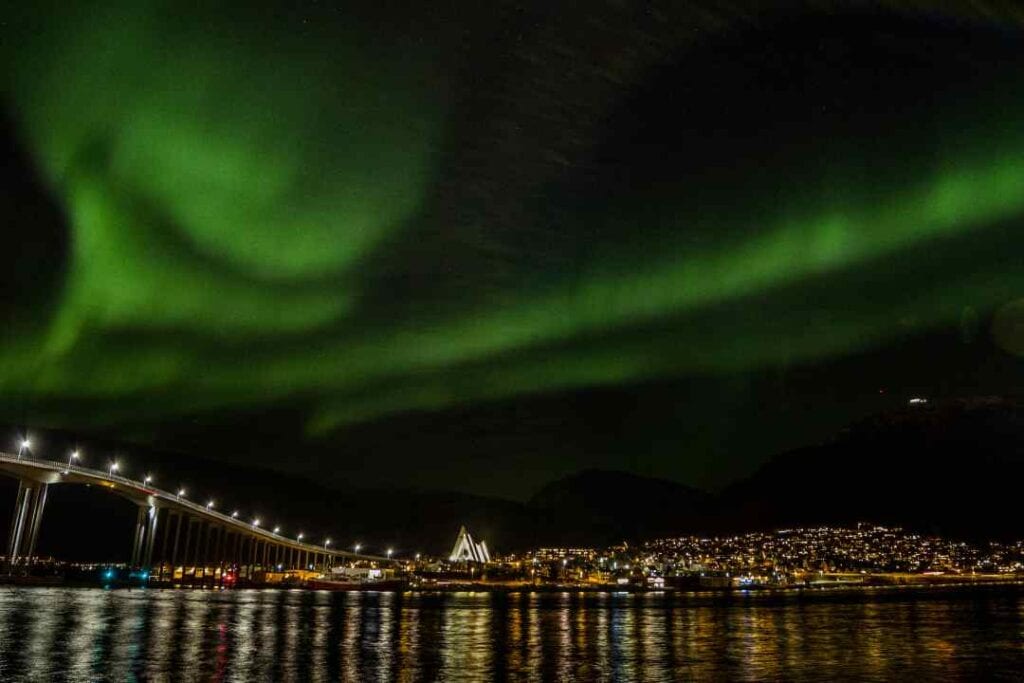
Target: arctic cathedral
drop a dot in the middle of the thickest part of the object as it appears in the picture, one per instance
(466, 550)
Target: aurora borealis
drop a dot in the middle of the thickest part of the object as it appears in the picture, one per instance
(360, 214)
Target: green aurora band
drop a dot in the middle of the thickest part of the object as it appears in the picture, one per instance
(228, 196)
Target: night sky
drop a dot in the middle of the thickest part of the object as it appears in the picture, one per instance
(479, 248)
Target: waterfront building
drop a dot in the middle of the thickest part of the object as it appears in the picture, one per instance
(466, 550)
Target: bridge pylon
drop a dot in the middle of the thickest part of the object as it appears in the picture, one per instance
(28, 516)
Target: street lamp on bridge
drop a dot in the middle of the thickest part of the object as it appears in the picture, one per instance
(327, 542)
(256, 522)
(390, 552)
(277, 529)
(299, 537)
(357, 547)
(23, 446)
(148, 480)
(234, 515)
(113, 468)
(181, 492)
(71, 458)
(209, 505)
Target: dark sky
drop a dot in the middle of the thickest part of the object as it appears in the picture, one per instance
(478, 249)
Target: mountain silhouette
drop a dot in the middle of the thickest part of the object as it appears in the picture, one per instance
(955, 468)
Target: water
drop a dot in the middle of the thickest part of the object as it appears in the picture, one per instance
(55, 634)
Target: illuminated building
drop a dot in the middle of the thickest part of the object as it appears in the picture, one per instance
(466, 550)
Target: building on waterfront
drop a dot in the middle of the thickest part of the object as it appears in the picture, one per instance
(466, 550)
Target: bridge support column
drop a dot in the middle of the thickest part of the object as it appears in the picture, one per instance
(28, 515)
(168, 518)
(137, 536)
(152, 518)
(174, 549)
(200, 560)
(36, 519)
(188, 539)
(234, 552)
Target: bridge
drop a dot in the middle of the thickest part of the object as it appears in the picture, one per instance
(174, 538)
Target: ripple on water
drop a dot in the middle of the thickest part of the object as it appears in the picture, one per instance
(55, 634)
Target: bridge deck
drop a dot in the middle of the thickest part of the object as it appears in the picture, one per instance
(53, 472)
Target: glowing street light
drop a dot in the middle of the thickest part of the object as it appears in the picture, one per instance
(234, 515)
(417, 557)
(209, 504)
(23, 446)
(327, 542)
(148, 480)
(299, 537)
(390, 552)
(181, 492)
(71, 458)
(277, 529)
(113, 468)
(357, 547)
(256, 522)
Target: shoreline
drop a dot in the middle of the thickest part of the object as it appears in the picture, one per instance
(826, 588)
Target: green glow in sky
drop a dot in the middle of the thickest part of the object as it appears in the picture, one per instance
(231, 192)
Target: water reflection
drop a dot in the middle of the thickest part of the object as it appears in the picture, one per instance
(87, 635)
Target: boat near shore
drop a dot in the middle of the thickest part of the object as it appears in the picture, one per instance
(359, 579)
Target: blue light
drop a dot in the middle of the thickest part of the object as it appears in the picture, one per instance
(109, 574)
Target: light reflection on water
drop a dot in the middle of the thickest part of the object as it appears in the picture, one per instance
(90, 635)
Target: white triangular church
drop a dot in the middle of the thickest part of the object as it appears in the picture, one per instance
(465, 550)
